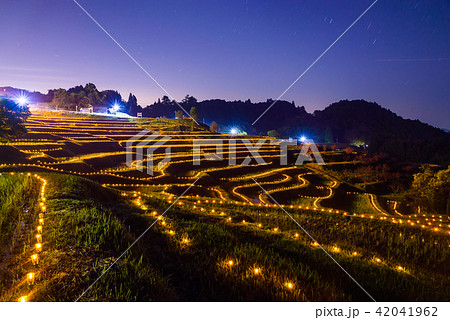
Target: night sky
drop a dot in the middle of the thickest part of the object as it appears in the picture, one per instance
(398, 54)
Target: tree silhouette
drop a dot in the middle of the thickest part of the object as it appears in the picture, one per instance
(179, 114)
(214, 127)
(194, 114)
(12, 118)
(273, 133)
(132, 106)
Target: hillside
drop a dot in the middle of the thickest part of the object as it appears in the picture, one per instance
(362, 122)
(356, 122)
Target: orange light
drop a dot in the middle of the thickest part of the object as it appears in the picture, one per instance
(30, 278)
(230, 263)
(290, 285)
(38, 247)
(256, 270)
(34, 259)
(23, 299)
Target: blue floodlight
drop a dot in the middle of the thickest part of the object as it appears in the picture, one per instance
(115, 107)
(21, 100)
(302, 139)
(234, 131)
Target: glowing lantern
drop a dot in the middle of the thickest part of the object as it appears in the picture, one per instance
(23, 299)
(38, 247)
(230, 263)
(39, 238)
(35, 259)
(30, 278)
(256, 271)
(39, 229)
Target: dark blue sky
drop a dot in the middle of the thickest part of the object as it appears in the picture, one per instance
(397, 54)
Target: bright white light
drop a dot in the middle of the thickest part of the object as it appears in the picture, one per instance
(233, 131)
(21, 100)
(302, 139)
(116, 107)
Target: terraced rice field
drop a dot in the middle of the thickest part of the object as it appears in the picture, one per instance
(215, 231)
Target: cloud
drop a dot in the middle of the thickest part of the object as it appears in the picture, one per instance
(33, 76)
(26, 69)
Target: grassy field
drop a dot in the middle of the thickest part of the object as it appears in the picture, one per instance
(225, 239)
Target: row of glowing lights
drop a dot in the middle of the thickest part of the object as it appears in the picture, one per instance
(31, 276)
(23, 100)
(185, 239)
(392, 220)
(263, 194)
(296, 186)
(99, 126)
(80, 173)
(163, 173)
(82, 127)
(256, 270)
(259, 175)
(41, 150)
(334, 248)
(199, 173)
(276, 229)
